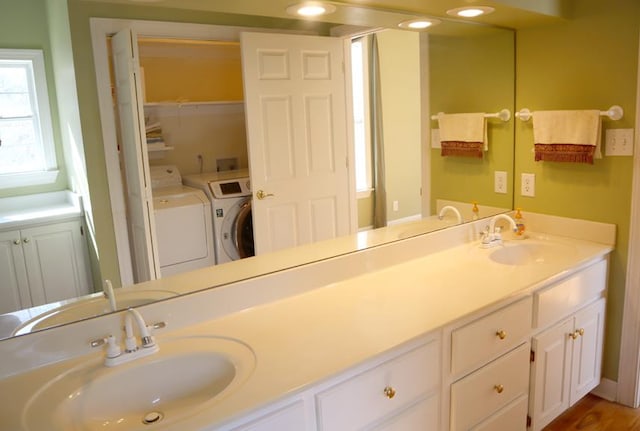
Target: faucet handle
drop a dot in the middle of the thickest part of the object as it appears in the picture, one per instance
(113, 348)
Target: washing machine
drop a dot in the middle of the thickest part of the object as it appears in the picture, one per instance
(230, 195)
(183, 222)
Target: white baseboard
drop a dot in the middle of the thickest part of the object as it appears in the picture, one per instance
(607, 389)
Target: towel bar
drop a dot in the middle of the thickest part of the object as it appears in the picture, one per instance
(504, 115)
(615, 113)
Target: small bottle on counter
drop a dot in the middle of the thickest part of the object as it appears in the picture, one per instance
(475, 211)
(519, 223)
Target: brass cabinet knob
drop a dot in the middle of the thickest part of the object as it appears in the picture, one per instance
(581, 331)
(499, 388)
(501, 334)
(574, 335)
(26, 240)
(260, 194)
(16, 241)
(389, 392)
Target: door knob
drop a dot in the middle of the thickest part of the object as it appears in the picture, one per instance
(260, 194)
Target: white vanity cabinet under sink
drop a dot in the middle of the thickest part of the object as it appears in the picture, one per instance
(42, 264)
(400, 392)
(567, 353)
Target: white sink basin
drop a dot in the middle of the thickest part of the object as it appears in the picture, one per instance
(95, 305)
(187, 375)
(527, 252)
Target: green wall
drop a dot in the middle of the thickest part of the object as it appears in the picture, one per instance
(400, 94)
(473, 73)
(26, 27)
(588, 62)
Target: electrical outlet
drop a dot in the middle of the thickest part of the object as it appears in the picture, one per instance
(395, 205)
(528, 185)
(500, 182)
(618, 142)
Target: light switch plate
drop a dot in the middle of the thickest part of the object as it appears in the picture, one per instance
(500, 182)
(618, 142)
(528, 185)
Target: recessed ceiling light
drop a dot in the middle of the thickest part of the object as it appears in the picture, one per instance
(419, 23)
(311, 9)
(470, 11)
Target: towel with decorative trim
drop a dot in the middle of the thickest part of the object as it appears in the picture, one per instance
(463, 135)
(567, 136)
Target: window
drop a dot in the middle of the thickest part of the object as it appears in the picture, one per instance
(362, 133)
(27, 152)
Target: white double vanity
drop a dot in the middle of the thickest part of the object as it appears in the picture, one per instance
(432, 332)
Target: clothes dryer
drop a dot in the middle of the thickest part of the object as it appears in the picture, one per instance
(230, 195)
(183, 223)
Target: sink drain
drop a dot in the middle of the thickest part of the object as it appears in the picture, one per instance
(152, 418)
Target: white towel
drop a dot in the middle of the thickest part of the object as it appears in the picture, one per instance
(555, 131)
(463, 134)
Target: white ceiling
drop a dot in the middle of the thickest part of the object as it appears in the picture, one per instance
(385, 13)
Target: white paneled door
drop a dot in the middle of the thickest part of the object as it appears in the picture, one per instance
(134, 148)
(297, 138)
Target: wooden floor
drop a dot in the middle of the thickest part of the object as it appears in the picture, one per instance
(595, 414)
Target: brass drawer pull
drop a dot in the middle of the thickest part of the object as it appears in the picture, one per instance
(499, 388)
(389, 392)
(501, 334)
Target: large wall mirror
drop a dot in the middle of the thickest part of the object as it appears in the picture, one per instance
(454, 67)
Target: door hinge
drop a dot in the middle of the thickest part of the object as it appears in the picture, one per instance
(81, 231)
(528, 421)
(532, 356)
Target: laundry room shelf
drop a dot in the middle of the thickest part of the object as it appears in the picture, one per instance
(179, 104)
(154, 149)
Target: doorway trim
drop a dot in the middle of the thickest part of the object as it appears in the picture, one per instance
(628, 387)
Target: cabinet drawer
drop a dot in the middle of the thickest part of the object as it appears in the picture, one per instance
(484, 392)
(512, 418)
(361, 400)
(292, 417)
(561, 299)
(486, 338)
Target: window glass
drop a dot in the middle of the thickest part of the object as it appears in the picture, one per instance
(26, 142)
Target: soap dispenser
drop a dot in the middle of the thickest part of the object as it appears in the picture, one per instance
(519, 223)
(475, 211)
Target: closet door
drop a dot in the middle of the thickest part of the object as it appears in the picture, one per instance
(297, 138)
(134, 148)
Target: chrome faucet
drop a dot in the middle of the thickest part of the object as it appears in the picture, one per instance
(492, 235)
(453, 210)
(115, 355)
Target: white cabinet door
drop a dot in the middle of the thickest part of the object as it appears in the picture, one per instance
(14, 291)
(550, 374)
(587, 350)
(568, 358)
(56, 260)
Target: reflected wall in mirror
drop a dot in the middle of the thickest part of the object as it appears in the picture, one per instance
(405, 111)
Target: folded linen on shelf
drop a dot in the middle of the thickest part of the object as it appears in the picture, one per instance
(463, 135)
(567, 136)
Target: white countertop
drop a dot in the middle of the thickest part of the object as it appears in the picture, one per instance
(306, 338)
(21, 211)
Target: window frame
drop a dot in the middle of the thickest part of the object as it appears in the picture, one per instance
(39, 96)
